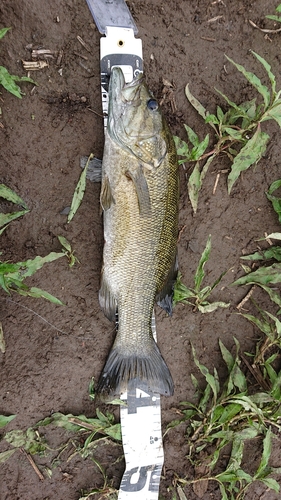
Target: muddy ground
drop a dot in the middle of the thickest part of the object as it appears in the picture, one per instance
(47, 366)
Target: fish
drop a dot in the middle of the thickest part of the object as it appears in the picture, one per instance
(139, 198)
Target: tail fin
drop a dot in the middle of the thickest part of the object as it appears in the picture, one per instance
(121, 367)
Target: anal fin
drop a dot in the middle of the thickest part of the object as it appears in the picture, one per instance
(165, 297)
(107, 300)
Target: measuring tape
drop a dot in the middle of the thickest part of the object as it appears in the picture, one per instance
(142, 441)
(141, 416)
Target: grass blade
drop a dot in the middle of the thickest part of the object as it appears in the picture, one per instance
(5, 219)
(10, 195)
(30, 266)
(267, 444)
(79, 191)
(4, 420)
(267, 68)
(5, 455)
(255, 81)
(273, 113)
(251, 153)
(195, 103)
(213, 306)
(2, 344)
(3, 32)
(262, 276)
(199, 275)
(38, 293)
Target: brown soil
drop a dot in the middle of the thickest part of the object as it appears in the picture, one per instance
(48, 368)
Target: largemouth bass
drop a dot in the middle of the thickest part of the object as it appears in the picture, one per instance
(139, 198)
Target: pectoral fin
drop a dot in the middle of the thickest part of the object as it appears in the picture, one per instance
(165, 297)
(106, 197)
(140, 183)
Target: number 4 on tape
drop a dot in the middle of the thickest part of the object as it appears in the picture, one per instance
(142, 443)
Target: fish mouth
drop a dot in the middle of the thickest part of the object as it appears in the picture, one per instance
(122, 93)
(122, 96)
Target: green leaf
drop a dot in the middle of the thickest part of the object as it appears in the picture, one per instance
(5, 455)
(212, 119)
(38, 293)
(30, 266)
(181, 292)
(262, 276)
(211, 380)
(276, 236)
(64, 243)
(250, 153)
(79, 191)
(266, 452)
(182, 149)
(195, 103)
(3, 32)
(8, 82)
(267, 68)
(2, 346)
(192, 136)
(273, 113)
(29, 440)
(236, 134)
(255, 81)
(229, 412)
(195, 182)
(227, 356)
(7, 218)
(213, 306)
(262, 325)
(274, 18)
(276, 202)
(199, 275)
(270, 483)
(181, 493)
(268, 254)
(4, 420)
(10, 195)
(220, 114)
(114, 431)
(260, 398)
(231, 103)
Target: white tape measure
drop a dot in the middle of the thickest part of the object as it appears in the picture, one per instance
(142, 442)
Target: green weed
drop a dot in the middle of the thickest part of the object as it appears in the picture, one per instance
(226, 414)
(87, 434)
(7, 80)
(12, 276)
(79, 190)
(238, 131)
(198, 296)
(266, 275)
(67, 250)
(274, 17)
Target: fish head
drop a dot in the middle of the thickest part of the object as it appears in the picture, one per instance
(135, 121)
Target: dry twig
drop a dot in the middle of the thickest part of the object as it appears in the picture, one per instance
(33, 464)
(246, 298)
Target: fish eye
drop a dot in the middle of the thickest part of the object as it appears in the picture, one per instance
(152, 104)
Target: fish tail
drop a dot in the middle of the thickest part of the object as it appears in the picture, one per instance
(120, 368)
